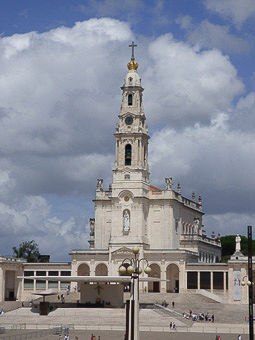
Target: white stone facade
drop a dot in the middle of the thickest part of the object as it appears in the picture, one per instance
(166, 226)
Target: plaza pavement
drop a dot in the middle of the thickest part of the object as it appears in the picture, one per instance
(110, 324)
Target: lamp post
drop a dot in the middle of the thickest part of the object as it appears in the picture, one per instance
(249, 282)
(132, 267)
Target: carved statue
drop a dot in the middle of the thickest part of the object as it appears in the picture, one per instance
(92, 227)
(99, 184)
(126, 221)
(238, 243)
(196, 225)
(169, 183)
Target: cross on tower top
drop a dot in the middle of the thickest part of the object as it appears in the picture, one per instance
(133, 45)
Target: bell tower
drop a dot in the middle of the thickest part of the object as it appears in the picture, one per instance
(131, 137)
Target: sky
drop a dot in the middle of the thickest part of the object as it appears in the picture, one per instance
(62, 63)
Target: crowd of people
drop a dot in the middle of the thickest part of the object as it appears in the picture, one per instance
(198, 317)
(66, 337)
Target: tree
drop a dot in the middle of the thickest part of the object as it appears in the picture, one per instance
(27, 250)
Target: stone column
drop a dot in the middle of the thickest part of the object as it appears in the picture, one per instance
(1, 284)
(198, 280)
(182, 277)
(47, 281)
(211, 283)
(224, 282)
(59, 286)
(163, 276)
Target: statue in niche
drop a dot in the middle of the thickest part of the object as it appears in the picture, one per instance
(126, 221)
(196, 225)
(238, 243)
(169, 183)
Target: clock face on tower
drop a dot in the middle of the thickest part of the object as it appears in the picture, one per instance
(129, 120)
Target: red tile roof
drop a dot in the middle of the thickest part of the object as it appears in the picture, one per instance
(152, 188)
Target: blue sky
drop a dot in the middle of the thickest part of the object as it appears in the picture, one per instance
(57, 116)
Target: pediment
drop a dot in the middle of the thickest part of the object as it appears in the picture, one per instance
(122, 250)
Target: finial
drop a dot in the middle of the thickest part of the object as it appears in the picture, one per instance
(193, 196)
(200, 199)
(179, 188)
(132, 65)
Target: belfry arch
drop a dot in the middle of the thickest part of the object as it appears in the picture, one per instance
(172, 274)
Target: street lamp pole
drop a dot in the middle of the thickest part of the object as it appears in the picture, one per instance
(134, 270)
(251, 285)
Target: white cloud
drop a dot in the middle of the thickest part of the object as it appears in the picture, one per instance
(208, 35)
(215, 161)
(111, 7)
(185, 85)
(243, 116)
(238, 11)
(185, 21)
(234, 223)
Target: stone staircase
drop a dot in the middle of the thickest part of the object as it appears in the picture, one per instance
(223, 313)
(152, 298)
(8, 306)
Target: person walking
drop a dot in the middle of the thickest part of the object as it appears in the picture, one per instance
(170, 325)
(174, 327)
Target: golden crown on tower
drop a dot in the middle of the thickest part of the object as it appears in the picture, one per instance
(132, 65)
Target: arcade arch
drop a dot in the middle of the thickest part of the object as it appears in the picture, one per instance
(101, 270)
(172, 274)
(83, 270)
(154, 287)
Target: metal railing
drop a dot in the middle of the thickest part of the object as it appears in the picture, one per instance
(28, 335)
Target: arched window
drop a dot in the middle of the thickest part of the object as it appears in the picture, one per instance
(130, 99)
(128, 154)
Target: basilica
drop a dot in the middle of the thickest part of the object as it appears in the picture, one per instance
(166, 226)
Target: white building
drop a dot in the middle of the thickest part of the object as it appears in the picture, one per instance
(166, 226)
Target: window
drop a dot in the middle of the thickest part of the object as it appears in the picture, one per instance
(40, 284)
(65, 273)
(191, 280)
(205, 280)
(28, 284)
(53, 284)
(64, 285)
(218, 280)
(28, 273)
(128, 154)
(40, 273)
(130, 100)
(53, 273)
